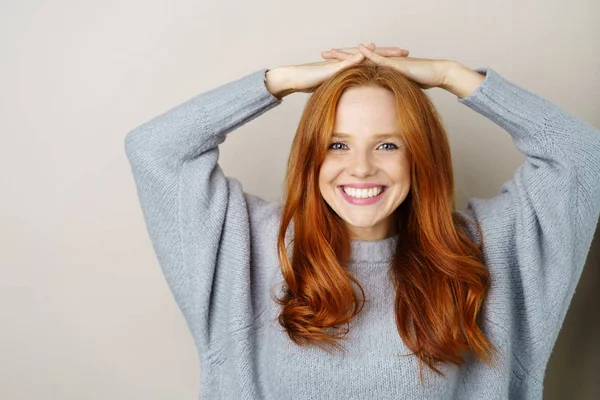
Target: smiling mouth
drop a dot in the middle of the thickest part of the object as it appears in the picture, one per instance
(342, 187)
(361, 201)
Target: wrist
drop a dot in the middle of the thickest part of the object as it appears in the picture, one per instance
(461, 80)
(277, 82)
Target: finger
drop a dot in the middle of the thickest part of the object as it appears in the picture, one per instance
(384, 51)
(371, 55)
(341, 55)
(328, 53)
(391, 51)
(346, 51)
(353, 59)
(395, 52)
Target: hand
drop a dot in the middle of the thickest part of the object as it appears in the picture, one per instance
(345, 53)
(307, 77)
(427, 73)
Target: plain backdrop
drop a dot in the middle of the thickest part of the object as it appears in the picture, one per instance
(84, 310)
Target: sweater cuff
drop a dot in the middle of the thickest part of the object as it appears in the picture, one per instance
(508, 104)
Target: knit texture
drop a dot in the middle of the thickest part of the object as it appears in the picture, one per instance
(216, 246)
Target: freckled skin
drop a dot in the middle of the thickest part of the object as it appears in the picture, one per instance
(362, 113)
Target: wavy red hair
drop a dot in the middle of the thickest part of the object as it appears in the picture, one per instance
(438, 272)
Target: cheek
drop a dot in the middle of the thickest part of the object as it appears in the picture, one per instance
(328, 172)
(402, 175)
(398, 170)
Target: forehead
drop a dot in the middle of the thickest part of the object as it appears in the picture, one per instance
(366, 110)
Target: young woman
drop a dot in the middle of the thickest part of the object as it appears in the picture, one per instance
(367, 248)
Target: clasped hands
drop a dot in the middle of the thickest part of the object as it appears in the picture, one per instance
(427, 73)
(424, 71)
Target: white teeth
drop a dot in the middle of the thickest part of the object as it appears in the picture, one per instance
(363, 193)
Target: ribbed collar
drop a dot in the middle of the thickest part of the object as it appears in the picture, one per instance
(374, 251)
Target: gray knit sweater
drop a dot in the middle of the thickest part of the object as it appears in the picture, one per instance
(216, 245)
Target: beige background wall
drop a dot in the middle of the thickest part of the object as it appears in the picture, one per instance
(84, 310)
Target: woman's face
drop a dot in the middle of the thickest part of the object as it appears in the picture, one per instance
(359, 156)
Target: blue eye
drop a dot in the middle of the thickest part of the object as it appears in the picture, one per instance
(340, 143)
(395, 147)
(335, 143)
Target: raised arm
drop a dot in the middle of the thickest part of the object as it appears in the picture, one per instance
(197, 218)
(538, 230)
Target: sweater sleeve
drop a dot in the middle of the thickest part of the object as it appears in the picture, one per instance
(537, 232)
(196, 217)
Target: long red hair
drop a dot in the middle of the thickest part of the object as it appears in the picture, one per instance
(438, 271)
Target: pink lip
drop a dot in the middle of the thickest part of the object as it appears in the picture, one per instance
(362, 202)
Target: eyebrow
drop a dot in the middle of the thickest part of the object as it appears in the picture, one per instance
(377, 135)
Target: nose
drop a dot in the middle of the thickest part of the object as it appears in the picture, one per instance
(362, 165)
